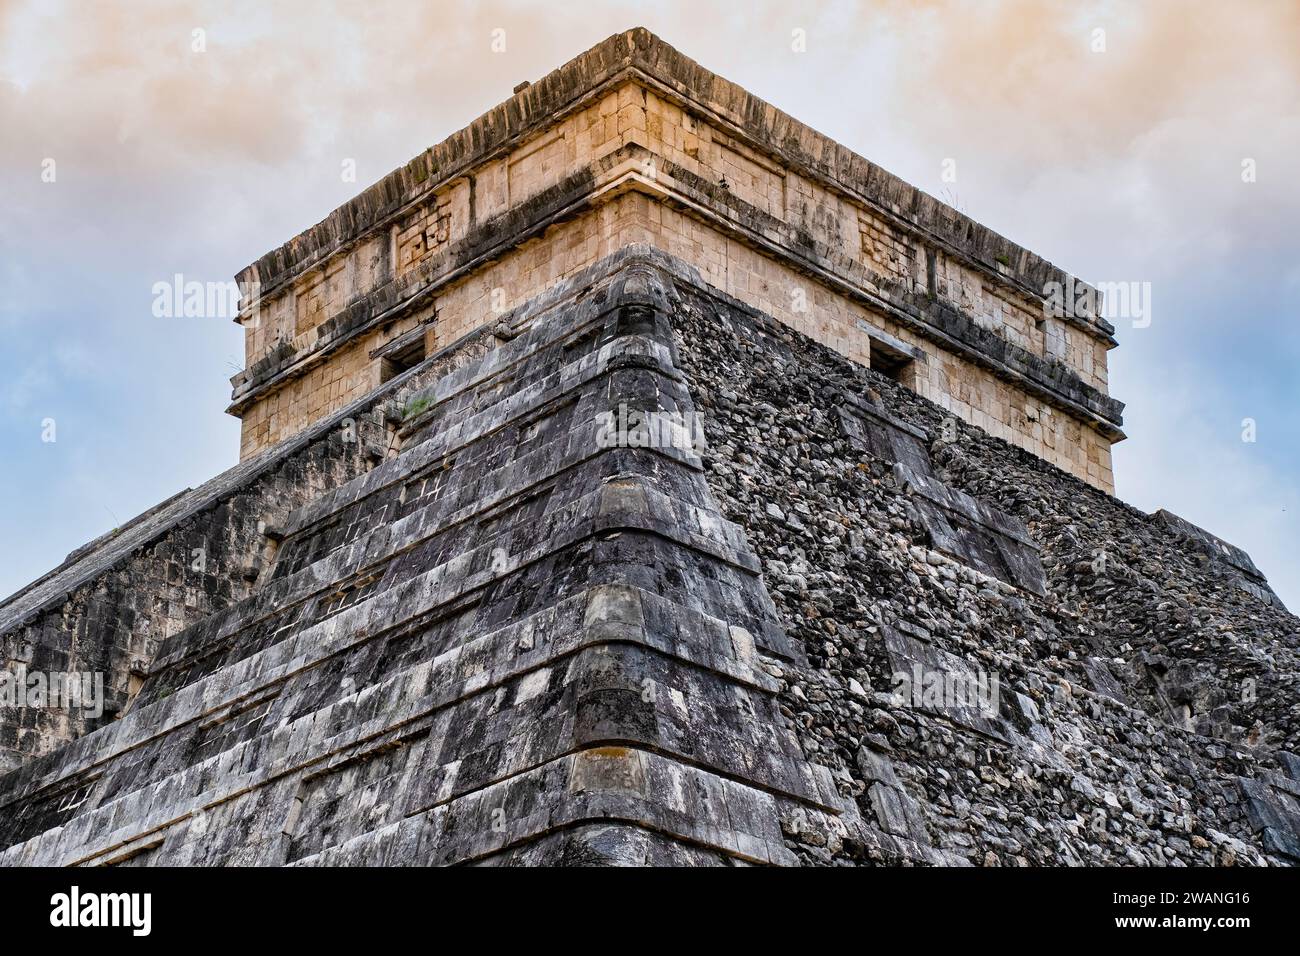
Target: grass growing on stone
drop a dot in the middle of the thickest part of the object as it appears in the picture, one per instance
(416, 406)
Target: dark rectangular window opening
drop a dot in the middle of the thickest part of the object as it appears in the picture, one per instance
(891, 363)
(395, 363)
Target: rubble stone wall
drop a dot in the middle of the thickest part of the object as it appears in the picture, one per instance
(1146, 709)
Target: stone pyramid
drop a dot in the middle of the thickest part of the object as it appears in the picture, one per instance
(640, 478)
(531, 634)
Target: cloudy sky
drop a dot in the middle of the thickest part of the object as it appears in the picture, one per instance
(1117, 154)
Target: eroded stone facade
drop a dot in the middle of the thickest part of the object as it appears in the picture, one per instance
(633, 143)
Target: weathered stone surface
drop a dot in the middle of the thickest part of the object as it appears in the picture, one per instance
(515, 637)
(974, 533)
(107, 608)
(1138, 683)
(514, 625)
(1215, 548)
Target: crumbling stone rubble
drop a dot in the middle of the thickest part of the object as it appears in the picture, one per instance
(1148, 702)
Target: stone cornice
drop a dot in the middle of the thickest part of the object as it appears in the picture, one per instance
(639, 53)
(618, 173)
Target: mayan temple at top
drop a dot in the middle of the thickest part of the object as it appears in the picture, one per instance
(633, 143)
(640, 477)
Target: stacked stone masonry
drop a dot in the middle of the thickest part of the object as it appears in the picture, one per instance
(107, 608)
